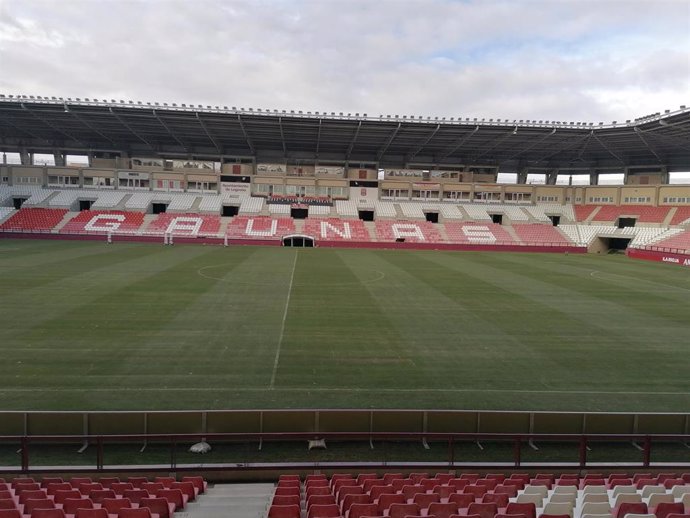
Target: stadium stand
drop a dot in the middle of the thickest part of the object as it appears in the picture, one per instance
(139, 201)
(210, 204)
(643, 213)
(476, 212)
(412, 210)
(346, 208)
(681, 216)
(448, 211)
(259, 227)
(68, 198)
(415, 232)
(101, 222)
(446, 495)
(680, 241)
(5, 212)
(108, 199)
(478, 233)
(583, 212)
(279, 209)
(319, 210)
(185, 224)
(34, 220)
(334, 229)
(182, 202)
(540, 234)
(251, 205)
(384, 209)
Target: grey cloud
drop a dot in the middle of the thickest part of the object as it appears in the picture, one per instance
(566, 60)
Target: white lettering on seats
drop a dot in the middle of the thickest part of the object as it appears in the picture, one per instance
(184, 225)
(345, 233)
(407, 230)
(478, 234)
(249, 230)
(105, 222)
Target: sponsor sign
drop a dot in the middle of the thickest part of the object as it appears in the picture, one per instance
(235, 190)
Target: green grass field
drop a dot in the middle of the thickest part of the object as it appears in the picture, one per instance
(91, 326)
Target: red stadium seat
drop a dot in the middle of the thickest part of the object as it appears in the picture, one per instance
(403, 510)
(319, 500)
(483, 510)
(10, 513)
(51, 480)
(387, 500)
(113, 505)
(107, 482)
(424, 500)
(629, 508)
(70, 505)
(440, 510)
(38, 503)
(98, 495)
(199, 483)
(363, 510)
(174, 496)
(462, 500)
(666, 508)
(323, 511)
(47, 513)
(528, 509)
(137, 481)
(351, 499)
(139, 512)
(121, 487)
(76, 481)
(52, 487)
(159, 506)
(135, 495)
(284, 511)
(32, 494)
(61, 495)
(500, 499)
(286, 500)
(91, 513)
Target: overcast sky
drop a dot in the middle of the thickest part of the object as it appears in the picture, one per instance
(579, 60)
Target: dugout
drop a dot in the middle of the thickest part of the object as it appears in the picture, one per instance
(230, 210)
(299, 241)
(366, 215)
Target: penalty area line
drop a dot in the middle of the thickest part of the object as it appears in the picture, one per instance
(282, 325)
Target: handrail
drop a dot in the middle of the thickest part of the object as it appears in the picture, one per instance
(450, 439)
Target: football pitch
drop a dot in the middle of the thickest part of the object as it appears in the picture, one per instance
(91, 326)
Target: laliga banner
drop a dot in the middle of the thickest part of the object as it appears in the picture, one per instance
(662, 257)
(323, 170)
(271, 169)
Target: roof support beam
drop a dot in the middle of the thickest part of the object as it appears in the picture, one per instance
(352, 142)
(318, 139)
(246, 135)
(534, 144)
(53, 126)
(31, 134)
(610, 151)
(208, 134)
(382, 151)
(644, 141)
(496, 143)
(421, 145)
(90, 126)
(457, 144)
(122, 121)
(282, 136)
(569, 145)
(162, 123)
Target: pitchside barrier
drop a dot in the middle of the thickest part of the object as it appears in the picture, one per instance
(37, 423)
(25, 437)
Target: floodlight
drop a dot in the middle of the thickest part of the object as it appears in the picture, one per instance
(175, 105)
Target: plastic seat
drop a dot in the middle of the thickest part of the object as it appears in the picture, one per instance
(137, 481)
(61, 495)
(198, 482)
(624, 508)
(511, 491)
(152, 487)
(501, 500)
(377, 491)
(107, 482)
(159, 506)
(418, 477)
(386, 501)
(410, 491)
(658, 499)
(424, 500)
(388, 478)
(317, 491)
(47, 513)
(91, 513)
(348, 490)
(559, 508)
(649, 490)
(98, 495)
(38, 503)
(362, 510)
(10, 513)
(444, 491)
(627, 499)
(596, 508)
(462, 500)
(174, 496)
(169, 481)
(86, 487)
(323, 511)
(483, 510)
(477, 491)
(113, 505)
(529, 509)
(121, 487)
(52, 487)
(352, 499)
(537, 500)
(70, 505)
(664, 509)
(135, 495)
(286, 500)
(542, 491)
(75, 481)
(284, 511)
(319, 500)
(442, 510)
(139, 512)
(403, 510)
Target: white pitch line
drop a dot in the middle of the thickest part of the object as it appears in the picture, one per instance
(340, 389)
(282, 325)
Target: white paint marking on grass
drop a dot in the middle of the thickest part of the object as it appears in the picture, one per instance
(341, 389)
(596, 274)
(282, 325)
